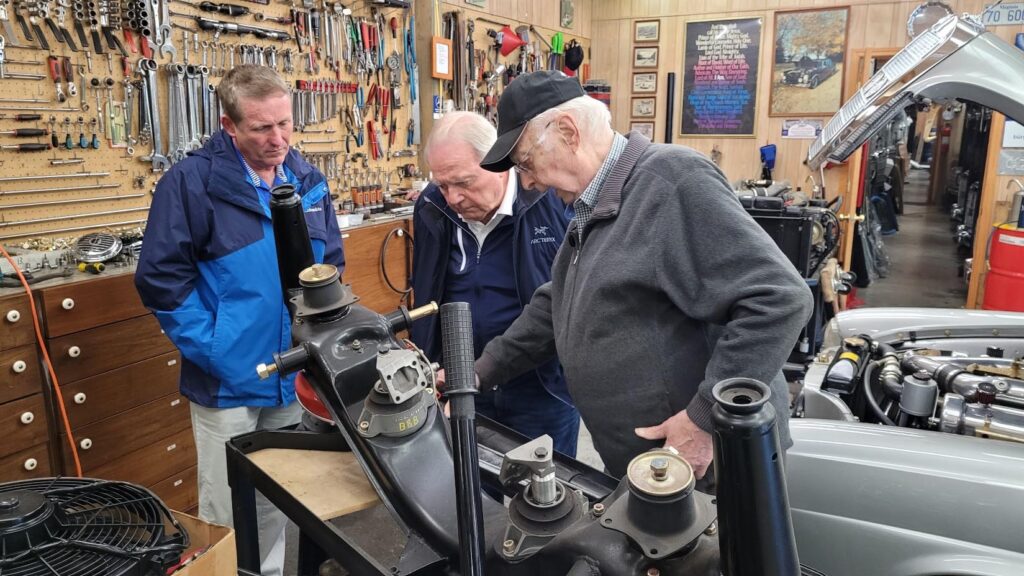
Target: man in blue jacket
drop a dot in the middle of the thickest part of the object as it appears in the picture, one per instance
(483, 238)
(208, 271)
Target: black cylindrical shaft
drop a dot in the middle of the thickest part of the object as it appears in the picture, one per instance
(460, 386)
(756, 536)
(294, 252)
(670, 105)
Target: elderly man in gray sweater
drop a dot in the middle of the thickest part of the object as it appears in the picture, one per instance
(663, 287)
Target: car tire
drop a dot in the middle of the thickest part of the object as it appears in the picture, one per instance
(813, 83)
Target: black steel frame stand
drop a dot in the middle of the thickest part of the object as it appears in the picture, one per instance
(317, 537)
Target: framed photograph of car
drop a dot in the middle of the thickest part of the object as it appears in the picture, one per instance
(645, 82)
(643, 107)
(645, 57)
(645, 31)
(645, 128)
(808, 63)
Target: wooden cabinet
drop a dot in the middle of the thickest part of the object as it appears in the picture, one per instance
(364, 251)
(16, 322)
(33, 462)
(118, 373)
(19, 373)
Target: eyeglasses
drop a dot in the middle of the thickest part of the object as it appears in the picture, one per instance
(521, 165)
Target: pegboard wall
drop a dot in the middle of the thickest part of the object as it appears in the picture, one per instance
(350, 69)
(545, 27)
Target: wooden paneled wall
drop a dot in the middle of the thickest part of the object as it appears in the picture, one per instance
(872, 24)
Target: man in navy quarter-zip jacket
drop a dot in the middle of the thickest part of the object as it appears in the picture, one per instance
(482, 238)
(208, 271)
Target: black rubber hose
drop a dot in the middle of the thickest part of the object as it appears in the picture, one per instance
(869, 393)
(383, 261)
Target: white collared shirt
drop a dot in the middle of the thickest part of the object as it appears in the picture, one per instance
(481, 230)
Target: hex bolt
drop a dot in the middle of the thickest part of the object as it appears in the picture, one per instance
(598, 509)
(508, 547)
(364, 425)
(712, 529)
(659, 468)
(541, 452)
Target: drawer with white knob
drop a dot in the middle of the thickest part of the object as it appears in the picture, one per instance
(22, 423)
(82, 305)
(98, 350)
(32, 462)
(101, 396)
(111, 438)
(19, 373)
(15, 322)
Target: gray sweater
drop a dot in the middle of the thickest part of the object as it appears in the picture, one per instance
(673, 289)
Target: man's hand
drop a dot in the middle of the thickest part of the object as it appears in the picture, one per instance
(439, 380)
(682, 434)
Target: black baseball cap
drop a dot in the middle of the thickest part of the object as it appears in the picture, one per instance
(525, 98)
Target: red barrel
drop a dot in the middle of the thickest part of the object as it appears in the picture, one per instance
(1004, 284)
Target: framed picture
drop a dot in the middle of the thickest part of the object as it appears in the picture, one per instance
(566, 13)
(441, 58)
(720, 68)
(646, 30)
(808, 63)
(477, 3)
(645, 128)
(645, 57)
(643, 107)
(645, 82)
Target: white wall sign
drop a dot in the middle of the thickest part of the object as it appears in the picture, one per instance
(1013, 135)
(1004, 15)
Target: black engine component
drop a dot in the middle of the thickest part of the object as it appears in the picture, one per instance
(426, 471)
(87, 527)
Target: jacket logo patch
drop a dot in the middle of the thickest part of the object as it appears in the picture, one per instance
(541, 236)
(314, 209)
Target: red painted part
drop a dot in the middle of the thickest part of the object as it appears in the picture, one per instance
(309, 400)
(1004, 283)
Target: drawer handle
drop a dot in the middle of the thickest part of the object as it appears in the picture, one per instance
(31, 464)
(85, 444)
(80, 398)
(74, 351)
(175, 402)
(19, 366)
(178, 482)
(27, 417)
(13, 316)
(67, 304)
(172, 447)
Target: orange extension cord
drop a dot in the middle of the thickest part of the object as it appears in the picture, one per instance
(49, 365)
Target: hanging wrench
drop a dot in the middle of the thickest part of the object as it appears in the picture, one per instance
(147, 68)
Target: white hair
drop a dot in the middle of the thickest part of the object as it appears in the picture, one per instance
(591, 115)
(466, 127)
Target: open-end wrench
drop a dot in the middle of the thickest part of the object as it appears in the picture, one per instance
(147, 68)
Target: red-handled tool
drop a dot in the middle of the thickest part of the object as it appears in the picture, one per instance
(56, 74)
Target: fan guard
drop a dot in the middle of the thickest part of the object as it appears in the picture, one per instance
(84, 526)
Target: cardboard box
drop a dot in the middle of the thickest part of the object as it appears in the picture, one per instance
(219, 557)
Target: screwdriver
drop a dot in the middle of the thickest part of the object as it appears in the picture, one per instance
(229, 9)
(25, 132)
(23, 117)
(25, 147)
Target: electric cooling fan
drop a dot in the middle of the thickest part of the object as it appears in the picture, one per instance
(83, 526)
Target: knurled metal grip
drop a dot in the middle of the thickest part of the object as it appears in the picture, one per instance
(457, 348)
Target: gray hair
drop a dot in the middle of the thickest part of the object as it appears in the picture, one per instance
(466, 127)
(248, 82)
(592, 116)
